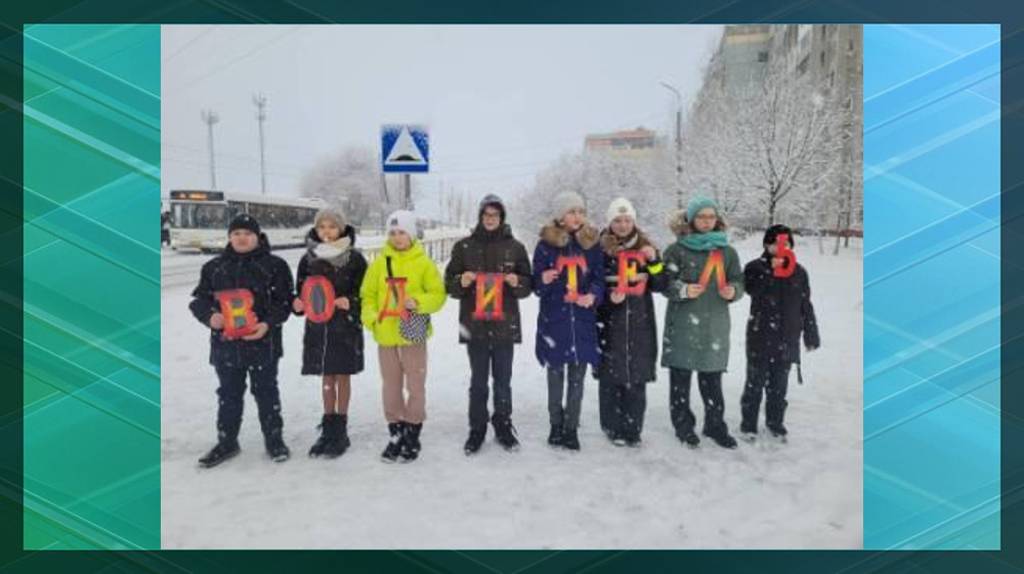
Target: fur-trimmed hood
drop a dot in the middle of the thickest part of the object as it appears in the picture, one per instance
(611, 244)
(678, 224)
(554, 235)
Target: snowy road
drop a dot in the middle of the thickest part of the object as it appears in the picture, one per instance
(804, 494)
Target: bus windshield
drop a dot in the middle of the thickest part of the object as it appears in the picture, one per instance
(199, 215)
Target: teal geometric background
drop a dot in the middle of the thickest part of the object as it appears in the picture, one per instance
(91, 287)
(91, 292)
(932, 287)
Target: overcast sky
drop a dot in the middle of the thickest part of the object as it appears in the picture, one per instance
(501, 102)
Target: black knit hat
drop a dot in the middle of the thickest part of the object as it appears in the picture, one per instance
(491, 200)
(773, 232)
(244, 221)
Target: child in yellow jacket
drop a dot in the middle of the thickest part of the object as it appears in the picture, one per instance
(401, 289)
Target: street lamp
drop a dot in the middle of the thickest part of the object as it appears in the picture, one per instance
(679, 142)
(210, 118)
(260, 101)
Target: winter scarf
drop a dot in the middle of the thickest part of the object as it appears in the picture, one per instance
(704, 241)
(335, 252)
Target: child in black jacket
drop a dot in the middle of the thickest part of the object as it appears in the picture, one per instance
(780, 310)
(261, 288)
(333, 349)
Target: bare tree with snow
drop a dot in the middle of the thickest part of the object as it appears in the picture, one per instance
(352, 180)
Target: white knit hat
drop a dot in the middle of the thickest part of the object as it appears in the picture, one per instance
(565, 202)
(404, 221)
(620, 206)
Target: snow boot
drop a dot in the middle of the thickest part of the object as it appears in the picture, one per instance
(325, 437)
(221, 452)
(571, 440)
(618, 438)
(778, 431)
(339, 441)
(394, 447)
(689, 438)
(411, 442)
(555, 438)
(748, 432)
(505, 434)
(475, 441)
(722, 438)
(276, 448)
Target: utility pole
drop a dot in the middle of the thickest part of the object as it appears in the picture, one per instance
(679, 143)
(210, 117)
(261, 114)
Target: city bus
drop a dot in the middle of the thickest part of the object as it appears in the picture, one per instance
(199, 218)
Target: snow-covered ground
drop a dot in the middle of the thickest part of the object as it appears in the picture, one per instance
(804, 494)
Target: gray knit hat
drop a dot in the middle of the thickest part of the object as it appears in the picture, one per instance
(565, 202)
(334, 214)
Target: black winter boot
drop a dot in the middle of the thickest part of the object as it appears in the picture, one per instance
(721, 437)
(618, 437)
(748, 432)
(555, 437)
(475, 441)
(570, 440)
(394, 447)
(221, 452)
(689, 438)
(339, 441)
(411, 442)
(276, 448)
(778, 430)
(505, 433)
(325, 437)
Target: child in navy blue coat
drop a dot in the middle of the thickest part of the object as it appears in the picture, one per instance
(568, 276)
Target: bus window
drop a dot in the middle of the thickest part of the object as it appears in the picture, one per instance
(275, 216)
(199, 216)
(235, 208)
(178, 215)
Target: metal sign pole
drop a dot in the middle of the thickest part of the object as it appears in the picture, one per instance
(407, 182)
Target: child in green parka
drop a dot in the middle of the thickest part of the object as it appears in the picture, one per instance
(697, 323)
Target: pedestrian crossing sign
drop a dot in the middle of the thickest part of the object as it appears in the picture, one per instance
(404, 148)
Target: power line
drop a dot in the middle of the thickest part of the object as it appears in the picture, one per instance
(184, 46)
(238, 157)
(240, 57)
(235, 168)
